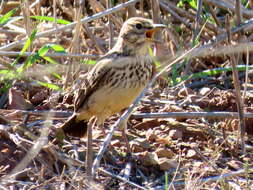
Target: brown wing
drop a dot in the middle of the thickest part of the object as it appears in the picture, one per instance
(91, 83)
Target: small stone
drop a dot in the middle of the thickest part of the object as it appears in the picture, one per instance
(191, 154)
(149, 159)
(203, 91)
(167, 164)
(175, 134)
(164, 153)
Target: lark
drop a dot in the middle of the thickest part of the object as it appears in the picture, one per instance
(118, 77)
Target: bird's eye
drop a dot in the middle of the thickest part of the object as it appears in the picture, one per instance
(138, 26)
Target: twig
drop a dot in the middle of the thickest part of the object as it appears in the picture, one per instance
(212, 11)
(89, 152)
(104, 172)
(127, 171)
(71, 25)
(97, 6)
(227, 6)
(75, 43)
(34, 3)
(209, 162)
(183, 115)
(4, 31)
(238, 12)
(186, 14)
(177, 115)
(246, 75)
(27, 20)
(174, 14)
(55, 55)
(42, 140)
(110, 25)
(98, 46)
(239, 103)
(197, 21)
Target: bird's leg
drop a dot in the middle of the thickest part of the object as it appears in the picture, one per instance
(123, 127)
(89, 153)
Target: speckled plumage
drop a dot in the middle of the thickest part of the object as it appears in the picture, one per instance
(117, 79)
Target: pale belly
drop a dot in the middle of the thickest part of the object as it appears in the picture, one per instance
(106, 102)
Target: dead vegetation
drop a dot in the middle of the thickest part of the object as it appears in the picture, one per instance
(185, 132)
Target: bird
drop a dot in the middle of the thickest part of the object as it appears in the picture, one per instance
(117, 79)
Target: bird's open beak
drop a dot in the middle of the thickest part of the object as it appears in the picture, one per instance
(156, 27)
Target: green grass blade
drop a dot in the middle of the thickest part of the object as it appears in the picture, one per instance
(56, 75)
(7, 74)
(212, 72)
(49, 85)
(90, 62)
(28, 63)
(44, 49)
(50, 19)
(29, 41)
(50, 60)
(7, 17)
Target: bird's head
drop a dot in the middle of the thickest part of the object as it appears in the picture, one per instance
(137, 34)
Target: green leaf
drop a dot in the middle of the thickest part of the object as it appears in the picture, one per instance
(49, 85)
(29, 41)
(44, 49)
(192, 3)
(212, 72)
(4, 71)
(51, 19)
(8, 74)
(56, 75)
(58, 48)
(6, 18)
(90, 62)
(50, 60)
(150, 52)
(29, 62)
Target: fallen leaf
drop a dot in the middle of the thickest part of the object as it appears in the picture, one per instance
(167, 164)
(148, 158)
(164, 153)
(17, 100)
(175, 134)
(192, 154)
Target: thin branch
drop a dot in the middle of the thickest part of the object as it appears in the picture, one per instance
(184, 115)
(106, 173)
(177, 115)
(239, 103)
(34, 151)
(55, 55)
(227, 6)
(197, 21)
(212, 11)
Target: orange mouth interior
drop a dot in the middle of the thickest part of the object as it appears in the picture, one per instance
(149, 33)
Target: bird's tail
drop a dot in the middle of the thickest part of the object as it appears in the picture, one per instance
(75, 128)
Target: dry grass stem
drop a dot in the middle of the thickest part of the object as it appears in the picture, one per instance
(227, 6)
(240, 105)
